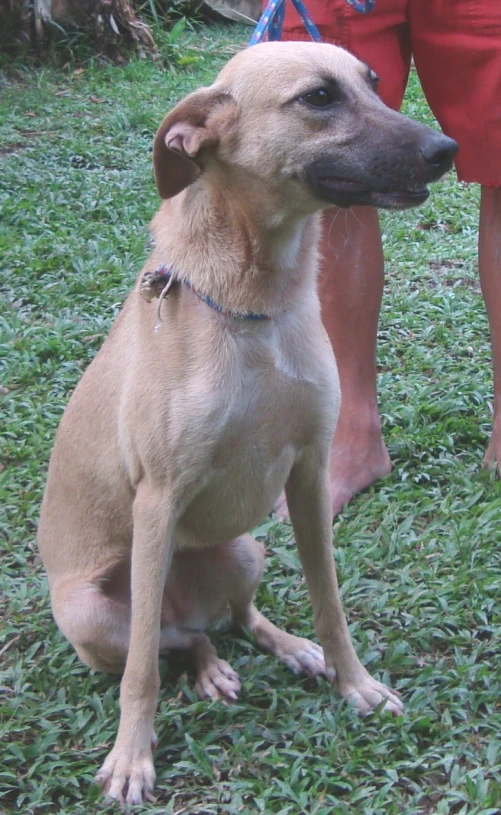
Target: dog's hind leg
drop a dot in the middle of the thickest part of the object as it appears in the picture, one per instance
(198, 592)
(200, 587)
(216, 679)
(96, 623)
(300, 655)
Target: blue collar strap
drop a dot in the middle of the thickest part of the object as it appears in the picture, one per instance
(154, 283)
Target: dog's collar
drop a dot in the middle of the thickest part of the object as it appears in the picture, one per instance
(153, 284)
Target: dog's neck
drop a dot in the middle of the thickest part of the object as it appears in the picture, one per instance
(243, 259)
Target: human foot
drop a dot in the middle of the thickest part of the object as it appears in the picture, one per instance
(492, 456)
(354, 467)
(357, 460)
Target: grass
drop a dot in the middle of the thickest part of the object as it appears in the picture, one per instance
(418, 554)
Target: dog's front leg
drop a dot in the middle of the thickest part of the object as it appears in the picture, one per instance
(309, 501)
(127, 774)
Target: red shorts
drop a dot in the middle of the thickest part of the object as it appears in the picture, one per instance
(456, 45)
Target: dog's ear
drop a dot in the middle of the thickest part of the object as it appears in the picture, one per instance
(198, 121)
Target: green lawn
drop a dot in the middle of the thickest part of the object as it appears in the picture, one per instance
(418, 554)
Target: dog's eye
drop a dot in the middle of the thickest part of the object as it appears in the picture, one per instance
(320, 98)
(374, 79)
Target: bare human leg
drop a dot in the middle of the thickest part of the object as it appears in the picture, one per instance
(489, 264)
(351, 289)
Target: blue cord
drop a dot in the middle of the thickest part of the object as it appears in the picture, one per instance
(272, 19)
(363, 6)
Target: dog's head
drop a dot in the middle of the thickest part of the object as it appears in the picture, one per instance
(303, 122)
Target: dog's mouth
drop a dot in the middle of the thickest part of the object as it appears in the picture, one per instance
(346, 193)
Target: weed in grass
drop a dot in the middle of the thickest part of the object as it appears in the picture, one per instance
(418, 554)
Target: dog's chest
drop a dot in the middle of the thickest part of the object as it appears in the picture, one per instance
(264, 412)
(273, 400)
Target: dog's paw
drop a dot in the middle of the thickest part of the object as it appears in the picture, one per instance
(301, 656)
(367, 693)
(128, 776)
(217, 680)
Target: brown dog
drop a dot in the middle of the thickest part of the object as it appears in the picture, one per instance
(177, 441)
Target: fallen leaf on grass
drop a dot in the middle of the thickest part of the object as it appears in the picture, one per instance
(426, 226)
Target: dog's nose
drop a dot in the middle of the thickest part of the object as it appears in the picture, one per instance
(439, 151)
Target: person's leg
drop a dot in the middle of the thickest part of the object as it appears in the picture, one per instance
(460, 43)
(351, 289)
(352, 265)
(489, 266)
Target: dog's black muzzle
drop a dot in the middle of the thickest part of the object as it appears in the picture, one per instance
(387, 171)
